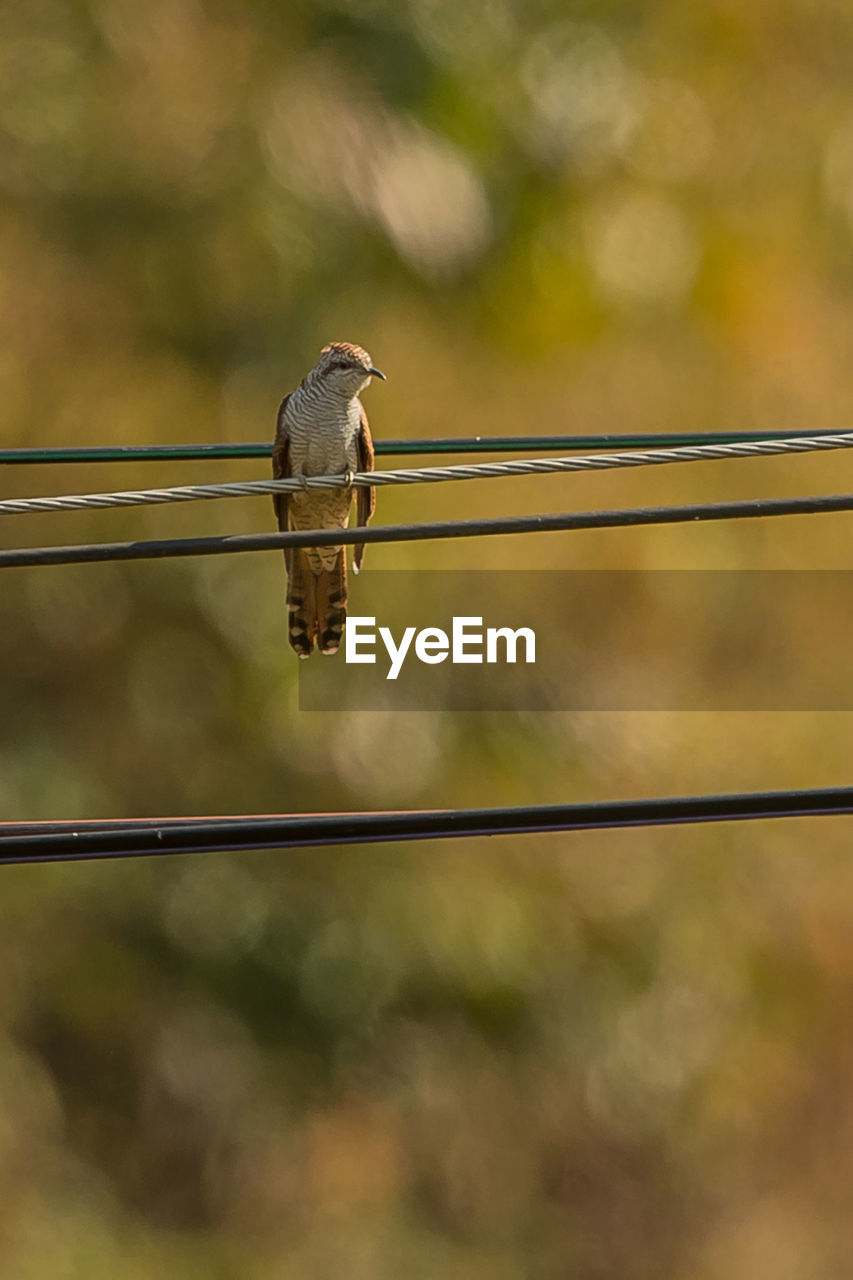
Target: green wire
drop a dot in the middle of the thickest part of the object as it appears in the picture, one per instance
(457, 444)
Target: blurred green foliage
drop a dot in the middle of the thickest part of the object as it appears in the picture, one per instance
(623, 1055)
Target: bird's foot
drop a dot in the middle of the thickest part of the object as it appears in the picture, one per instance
(348, 475)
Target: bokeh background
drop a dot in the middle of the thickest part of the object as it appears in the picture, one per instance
(599, 1055)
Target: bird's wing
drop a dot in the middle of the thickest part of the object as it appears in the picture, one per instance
(366, 498)
(281, 463)
(365, 501)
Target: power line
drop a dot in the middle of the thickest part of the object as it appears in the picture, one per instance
(426, 475)
(168, 548)
(451, 444)
(67, 842)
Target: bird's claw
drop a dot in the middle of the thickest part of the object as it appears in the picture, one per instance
(348, 475)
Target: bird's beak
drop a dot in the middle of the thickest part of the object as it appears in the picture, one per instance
(377, 373)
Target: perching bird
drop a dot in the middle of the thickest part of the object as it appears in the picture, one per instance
(322, 430)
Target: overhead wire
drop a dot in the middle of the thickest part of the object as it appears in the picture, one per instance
(56, 455)
(426, 475)
(67, 842)
(167, 548)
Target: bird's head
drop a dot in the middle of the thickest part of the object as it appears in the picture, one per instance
(346, 368)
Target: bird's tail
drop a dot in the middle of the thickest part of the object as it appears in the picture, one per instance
(317, 603)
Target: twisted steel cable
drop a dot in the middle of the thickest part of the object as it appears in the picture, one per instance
(430, 475)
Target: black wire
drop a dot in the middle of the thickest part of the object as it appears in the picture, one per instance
(457, 444)
(619, 518)
(67, 842)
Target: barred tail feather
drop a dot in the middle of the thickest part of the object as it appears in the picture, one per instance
(301, 602)
(316, 603)
(331, 605)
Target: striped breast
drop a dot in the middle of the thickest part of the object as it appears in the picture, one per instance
(322, 433)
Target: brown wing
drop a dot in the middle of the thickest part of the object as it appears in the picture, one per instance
(365, 500)
(281, 464)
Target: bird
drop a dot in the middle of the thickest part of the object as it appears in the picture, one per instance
(322, 429)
